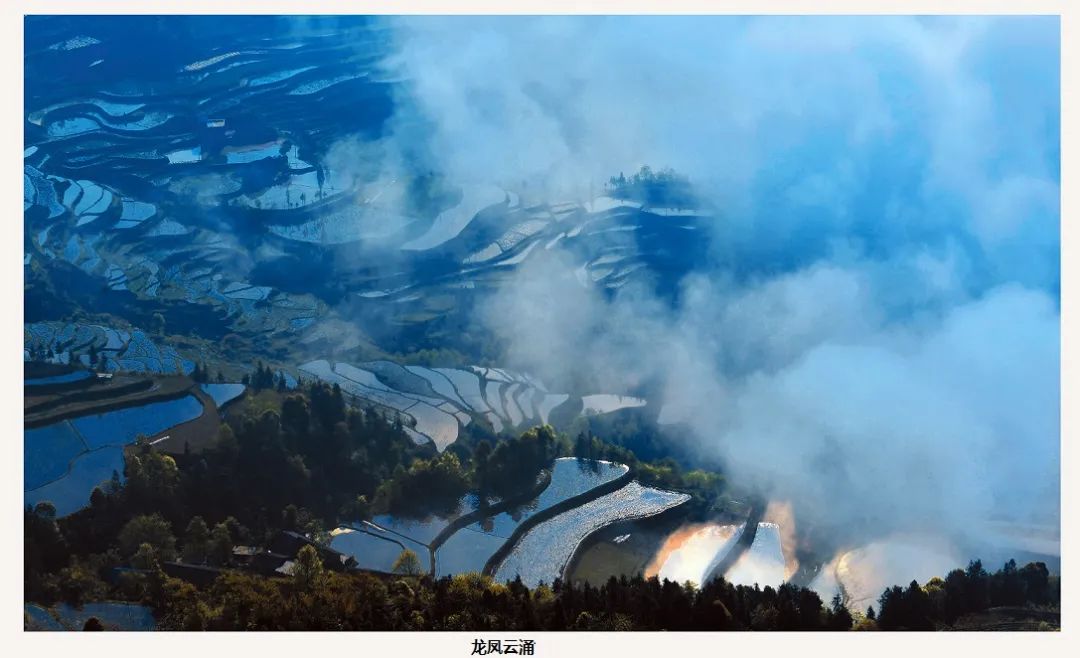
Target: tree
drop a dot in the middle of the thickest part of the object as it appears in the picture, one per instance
(153, 530)
(97, 498)
(359, 509)
(918, 608)
(295, 416)
(158, 323)
(583, 446)
(1036, 579)
(309, 572)
(220, 548)
(407, 564)
(145, 558)
(839, 617)
(79, 582)
(45, 510)
(93, 624)
(290, 517)
(196, 540)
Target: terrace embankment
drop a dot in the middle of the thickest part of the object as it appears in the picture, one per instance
(194, 435)
(100, 397)
(505, 505)
(551, 512)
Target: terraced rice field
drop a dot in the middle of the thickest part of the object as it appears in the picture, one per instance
(374, 552)
(424, 530)
(116, 616)
(470, 547)
(123, 426)
(48, 452)
(71, 492)
(543, 553)
(75, 376)
(122, 350)
(223, 394)
(63, 462)
(438, 401)
(466, 551)
(440, 384)
(449, 223)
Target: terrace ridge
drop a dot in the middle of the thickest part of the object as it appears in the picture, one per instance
(757, 510)
(82, 404)
(543, 515)
(504, 505)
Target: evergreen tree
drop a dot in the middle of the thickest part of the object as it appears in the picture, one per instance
(308, 571)
(196, 541)
(407, 564)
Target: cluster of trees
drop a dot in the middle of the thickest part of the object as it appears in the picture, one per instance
(633, 429)
(434, 484)
(42, 353)
(512, 466)
(437, 484)
(315, 599)
(264, 378)
(201, 374)
(663, 188)
(303, 466)
(963, 592)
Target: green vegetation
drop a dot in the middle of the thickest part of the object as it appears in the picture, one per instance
(407, 564)
(303, 461)
(512, 466)
(965, 592)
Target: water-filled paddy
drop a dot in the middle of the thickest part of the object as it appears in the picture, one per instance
(542, 554)
(439, 426)
(72, 492)
(47, 451)
(469, 548)
(113, 616)
(512, 409)
(425, 529)
(68, 377)
(449, 223)
(223, 394)
(467, 385)
(373, 552)
(122, 426)
(439, 383)
(492, 393)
